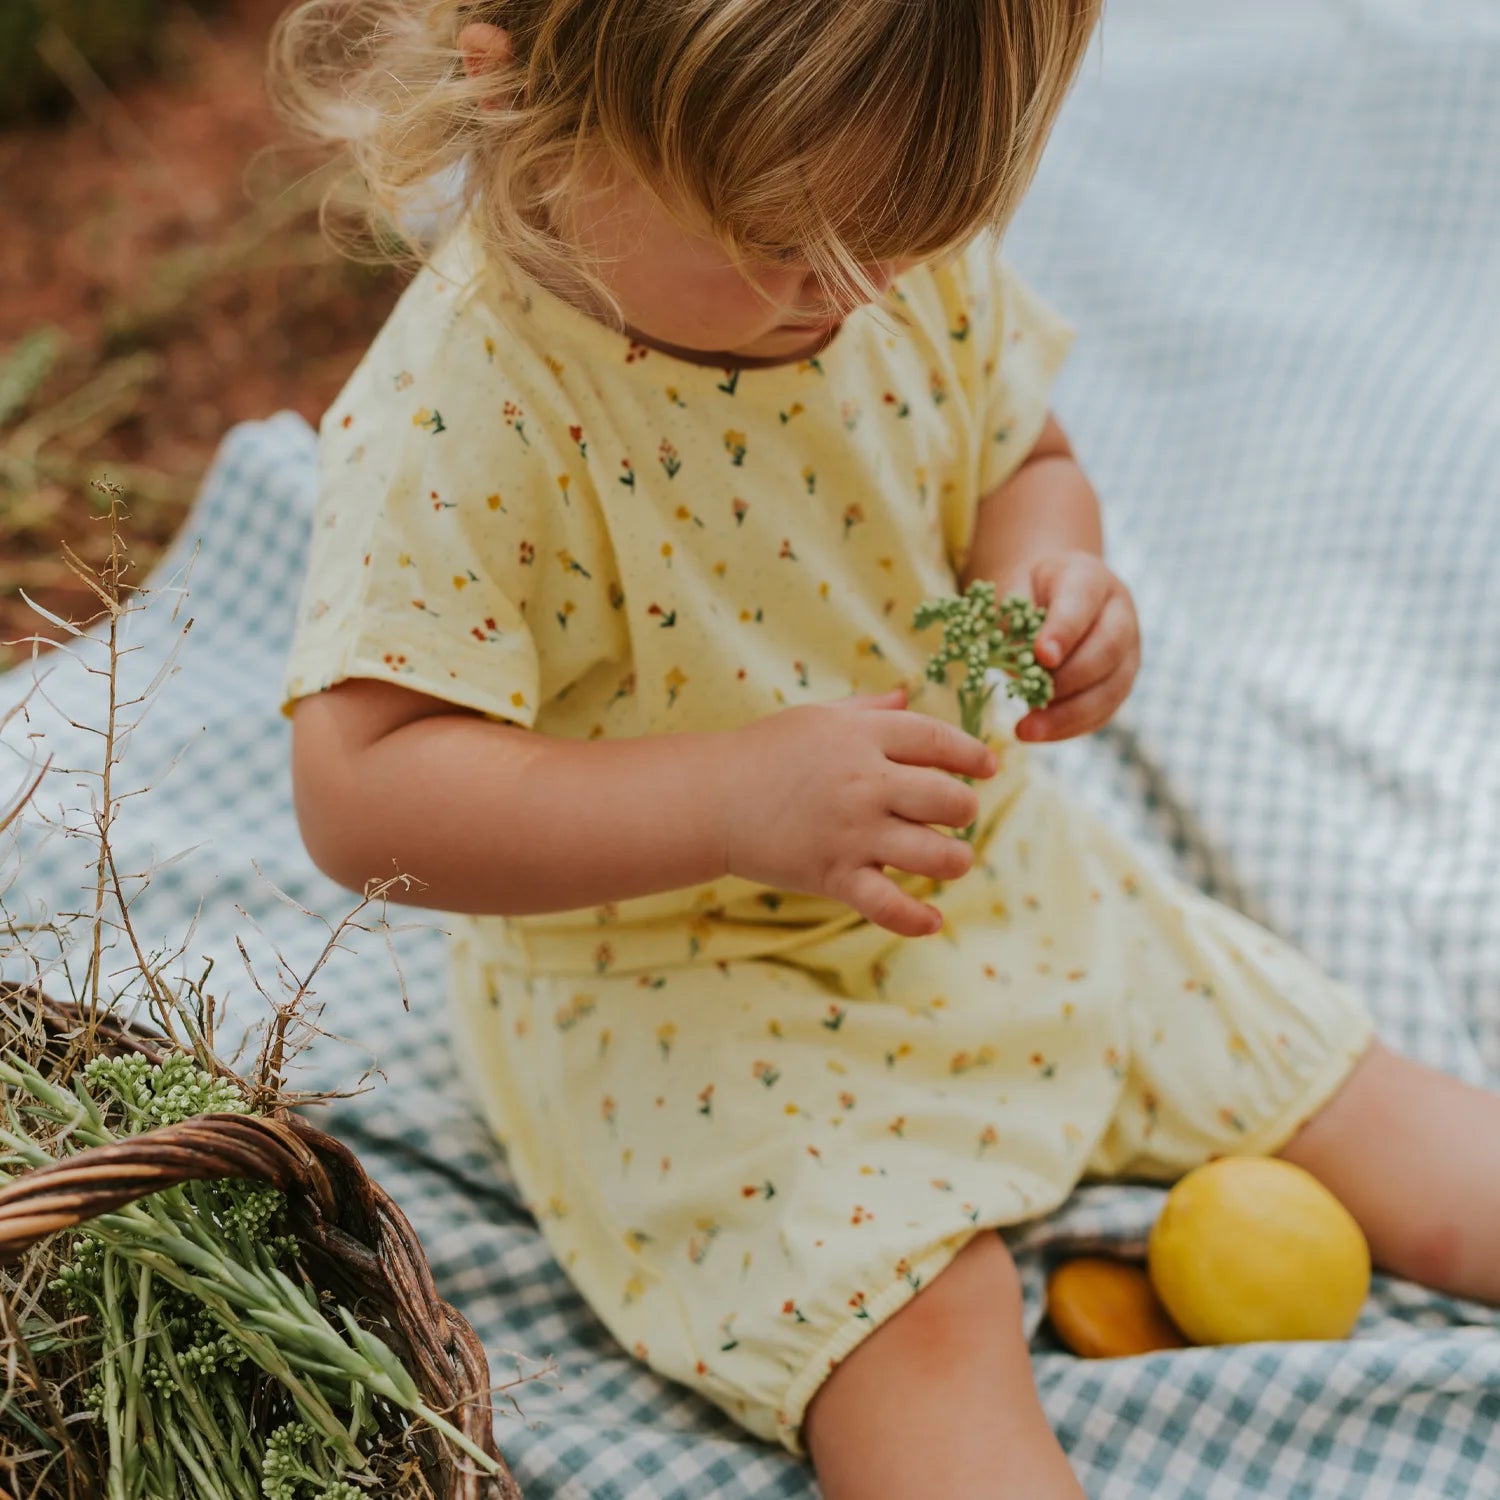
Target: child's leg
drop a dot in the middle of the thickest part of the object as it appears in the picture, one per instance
(1415, 1156)
(940, 1399)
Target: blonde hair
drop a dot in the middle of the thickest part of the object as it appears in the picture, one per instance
(844, 131)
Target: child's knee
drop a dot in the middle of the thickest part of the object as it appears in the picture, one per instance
(1435, 1254)
(963, 1316)
(974, 1301)
(982, 1273)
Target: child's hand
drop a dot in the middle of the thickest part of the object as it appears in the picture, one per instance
(1091, 643)
(821, 798)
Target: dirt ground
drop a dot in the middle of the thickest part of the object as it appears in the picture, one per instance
(161, 263)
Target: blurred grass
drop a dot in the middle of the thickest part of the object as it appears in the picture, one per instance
(170, 280)
(108, 36)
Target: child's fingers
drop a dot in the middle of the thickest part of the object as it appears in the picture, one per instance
(921, 740)
(878, 899)
(1103, 649)
(1072, 608)
(1080, 714)
(921, 851)
(894, 699)
(922, 796)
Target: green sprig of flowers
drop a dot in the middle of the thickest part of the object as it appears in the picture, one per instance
(286, 1474)
(983, 636)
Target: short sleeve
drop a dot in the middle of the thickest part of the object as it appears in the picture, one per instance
(1027, 344)
(446, 520)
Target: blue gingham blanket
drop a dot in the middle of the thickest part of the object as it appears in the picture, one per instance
(1276, 226)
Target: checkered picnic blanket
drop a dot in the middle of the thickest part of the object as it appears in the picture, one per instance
(1276, 228)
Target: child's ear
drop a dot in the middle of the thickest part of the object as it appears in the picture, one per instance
(486, 49)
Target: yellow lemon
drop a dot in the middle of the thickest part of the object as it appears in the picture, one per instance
(1252, 1248)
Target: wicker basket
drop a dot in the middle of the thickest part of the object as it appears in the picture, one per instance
(356, 1242)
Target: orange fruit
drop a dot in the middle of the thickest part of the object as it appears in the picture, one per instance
(1105, 1309)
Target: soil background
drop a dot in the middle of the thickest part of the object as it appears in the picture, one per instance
(162, 277)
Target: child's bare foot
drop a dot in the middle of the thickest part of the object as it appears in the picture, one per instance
(940, 1399)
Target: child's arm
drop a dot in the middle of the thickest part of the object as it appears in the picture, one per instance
(1040, 535)
(493, 818)
(1047, 505)
(500, 820)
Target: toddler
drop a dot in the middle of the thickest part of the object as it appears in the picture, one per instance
(608, 640)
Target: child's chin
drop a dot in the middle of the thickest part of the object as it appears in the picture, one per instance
(792, 340)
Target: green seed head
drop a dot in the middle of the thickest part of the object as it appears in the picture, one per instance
(983, 635)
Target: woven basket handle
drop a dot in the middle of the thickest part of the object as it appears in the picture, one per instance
(339, 1213)
(104, 1178)
(101, 1179)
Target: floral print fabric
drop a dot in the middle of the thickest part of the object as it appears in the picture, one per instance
(751, 1125)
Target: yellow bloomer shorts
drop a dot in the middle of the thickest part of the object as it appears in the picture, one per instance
(746, 1165)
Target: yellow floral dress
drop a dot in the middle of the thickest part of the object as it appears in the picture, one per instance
(750, 1125)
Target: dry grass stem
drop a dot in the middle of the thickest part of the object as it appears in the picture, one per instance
(177, 1345)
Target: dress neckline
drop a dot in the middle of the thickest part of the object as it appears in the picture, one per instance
(511, 286)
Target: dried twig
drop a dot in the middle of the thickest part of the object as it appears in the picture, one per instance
(61, 1450)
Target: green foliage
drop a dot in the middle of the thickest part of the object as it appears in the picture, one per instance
(981, 636)
(155, 1351)
(216, 1372)
(296, 1467)
(26, 367)
(41, 40)
(162, 1094)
